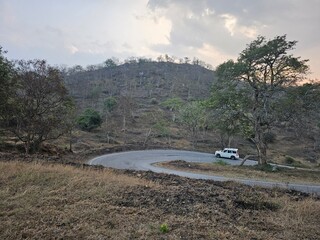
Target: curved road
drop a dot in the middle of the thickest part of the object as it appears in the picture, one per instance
(145, 160)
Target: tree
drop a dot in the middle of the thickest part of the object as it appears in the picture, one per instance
(173, 104)
(111, 62)
(110, 104)
(125, 107)
(89, 120)
(39, 104)
(263, 70)
(304, 116)
(229, 101)
(193, 116)
(6, 83)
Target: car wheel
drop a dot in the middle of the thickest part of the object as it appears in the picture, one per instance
(233, 157)
(218, 156)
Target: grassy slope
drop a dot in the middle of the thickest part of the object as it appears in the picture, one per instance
(42, 201)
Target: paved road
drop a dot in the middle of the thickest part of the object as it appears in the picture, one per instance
(144, 160)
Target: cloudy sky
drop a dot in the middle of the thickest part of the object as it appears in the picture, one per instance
(89, 31)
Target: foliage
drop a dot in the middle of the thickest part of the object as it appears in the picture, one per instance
(306, 101)
(173, 103)
(39, 104)
(221, 162)
(193, 116)
(154, 101)
(289, 160)
(111, 62)
(89, 119)
(164, 228)
(6, 83)
(229, 103)
(110, 104)
(251, 87)
(267, 168)
(161, 128)
(269, 137)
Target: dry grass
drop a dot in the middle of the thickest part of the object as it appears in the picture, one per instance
(45, 201)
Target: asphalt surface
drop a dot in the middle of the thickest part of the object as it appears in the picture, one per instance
(145, 160)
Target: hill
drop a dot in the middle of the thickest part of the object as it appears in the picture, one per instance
(141, 121)
(141, 81)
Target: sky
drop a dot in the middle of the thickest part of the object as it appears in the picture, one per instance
(88, 32)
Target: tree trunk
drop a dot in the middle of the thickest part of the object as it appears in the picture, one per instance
(246, 158)
(261, 149)
(262, 153)
(27, 147)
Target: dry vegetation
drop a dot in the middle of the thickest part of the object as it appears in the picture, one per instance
(53, 201)
(221, 168)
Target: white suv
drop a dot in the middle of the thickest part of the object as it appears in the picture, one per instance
(231, 153)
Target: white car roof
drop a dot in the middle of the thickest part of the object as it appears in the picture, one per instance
(233, 149)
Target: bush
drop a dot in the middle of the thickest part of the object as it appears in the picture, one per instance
(110, 104)
(269, 137)
(289, 160)
(221, 163)
(154, 101)
(89, 119)
(294, 163)
(267, 168)
(164, 228)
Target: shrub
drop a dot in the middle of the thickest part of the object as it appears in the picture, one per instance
(110, 104)
(269, 137)
(164, 228)
(173, 103)
(294, 163)
(154, 101)
(221, 163)
(89, 119)
(289, 160)
(267, 168)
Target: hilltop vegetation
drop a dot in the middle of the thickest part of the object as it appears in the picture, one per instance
(142, 82)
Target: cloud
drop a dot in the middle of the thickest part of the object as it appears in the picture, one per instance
(229, 25)
(73, 49)
(81, 31)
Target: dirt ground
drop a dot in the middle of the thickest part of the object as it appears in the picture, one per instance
(48, 200)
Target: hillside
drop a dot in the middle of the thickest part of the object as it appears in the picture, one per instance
(141, 81)
(140, 121)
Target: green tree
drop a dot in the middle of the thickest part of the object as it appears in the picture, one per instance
(229, 103)
(111, 62)
(304, 116)
(173, 103)
(39, 104)
(110, 104)
(263, 70)
(193, 116)
(6, 83)
(89, 119)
